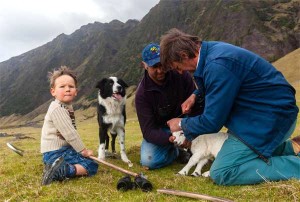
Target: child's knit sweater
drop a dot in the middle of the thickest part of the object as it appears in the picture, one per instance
(59, 128)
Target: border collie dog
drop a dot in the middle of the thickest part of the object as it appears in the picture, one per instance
(204, 147)
(112, 115)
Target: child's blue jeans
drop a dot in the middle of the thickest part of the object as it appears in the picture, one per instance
(71, 157)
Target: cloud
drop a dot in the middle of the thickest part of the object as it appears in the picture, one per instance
(28, 24)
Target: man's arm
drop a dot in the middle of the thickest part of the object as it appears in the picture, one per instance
(194, 103)
(221, 88)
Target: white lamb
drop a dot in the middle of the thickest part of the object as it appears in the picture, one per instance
(203, 148)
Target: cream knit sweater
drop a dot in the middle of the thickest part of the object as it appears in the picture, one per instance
(58, 129)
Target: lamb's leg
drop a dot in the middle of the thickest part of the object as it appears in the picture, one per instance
(197, 171)
(206, 174)
(193, 161)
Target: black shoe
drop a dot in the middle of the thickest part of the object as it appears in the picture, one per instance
(55, 171)
(183, 156)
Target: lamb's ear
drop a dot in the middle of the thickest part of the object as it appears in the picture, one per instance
(100, 83)
(122, 83)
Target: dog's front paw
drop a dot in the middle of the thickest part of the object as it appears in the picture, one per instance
(126, 160)
(206, 174)
(101, 155)
(101, 151)
(130, 164)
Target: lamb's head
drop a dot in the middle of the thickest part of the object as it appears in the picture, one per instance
(179, 137)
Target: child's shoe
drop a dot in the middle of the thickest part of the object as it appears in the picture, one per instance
(55, 172)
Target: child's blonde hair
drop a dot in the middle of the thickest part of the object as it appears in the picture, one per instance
(63, 70)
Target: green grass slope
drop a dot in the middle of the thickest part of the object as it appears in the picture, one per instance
(20, 176)
(289, 65)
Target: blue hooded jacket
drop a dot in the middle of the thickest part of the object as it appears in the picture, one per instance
(244, 93)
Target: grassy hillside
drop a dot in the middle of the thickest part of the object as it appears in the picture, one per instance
(289, 65)
(20, 176)
(97, 50)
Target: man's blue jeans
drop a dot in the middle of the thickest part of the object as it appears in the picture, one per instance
(236, 164)
(155, 156)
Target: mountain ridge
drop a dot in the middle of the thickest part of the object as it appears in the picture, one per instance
(97, 50)
(88, 110)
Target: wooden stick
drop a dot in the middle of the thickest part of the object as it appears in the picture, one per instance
(192, 195)
(114, 166)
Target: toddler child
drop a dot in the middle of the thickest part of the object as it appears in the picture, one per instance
(64, 153)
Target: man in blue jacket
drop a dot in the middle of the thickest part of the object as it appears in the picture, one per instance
(247, 95)
(158, 98)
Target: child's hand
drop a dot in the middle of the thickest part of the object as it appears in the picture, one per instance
(87, 153)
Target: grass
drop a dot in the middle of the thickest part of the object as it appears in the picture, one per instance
(20, 176)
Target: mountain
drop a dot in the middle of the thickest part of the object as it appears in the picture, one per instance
(90, 50)
(96, 50)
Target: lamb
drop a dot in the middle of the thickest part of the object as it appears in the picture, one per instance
(204, 147)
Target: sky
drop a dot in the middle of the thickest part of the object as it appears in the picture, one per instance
(28, 24)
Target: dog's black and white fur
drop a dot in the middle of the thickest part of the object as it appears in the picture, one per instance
(112, 115)
(205, 147)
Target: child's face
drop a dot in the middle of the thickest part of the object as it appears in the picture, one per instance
(64, 89)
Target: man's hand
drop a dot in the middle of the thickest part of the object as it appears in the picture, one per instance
(174, 124)
(188, 104)
(172, 138)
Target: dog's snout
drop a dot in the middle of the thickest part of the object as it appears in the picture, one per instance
(119, 88)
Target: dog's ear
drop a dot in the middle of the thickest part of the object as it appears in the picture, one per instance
(122, 83)
(101, 83)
